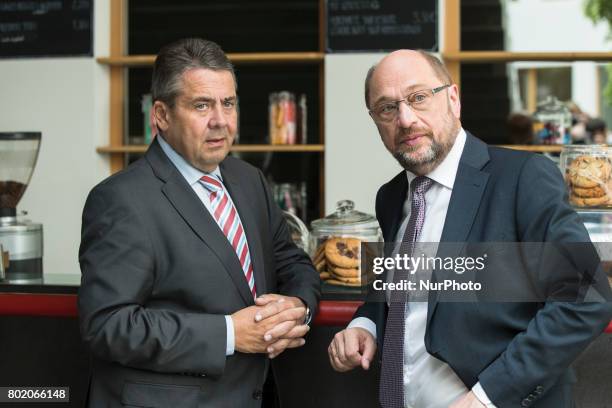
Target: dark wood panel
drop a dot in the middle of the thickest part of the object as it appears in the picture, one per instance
(292, 168)
(237, 25)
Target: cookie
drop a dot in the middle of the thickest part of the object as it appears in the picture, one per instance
(344, 272)
(319, 254)
(343, 252)
(340, 283)
(588, 172)
(320, 266)
(346, 280)
(324, 275)
(588, 202)
(592, 192)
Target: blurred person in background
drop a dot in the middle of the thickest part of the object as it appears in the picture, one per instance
(520, 129)
(578, 131)
(597, 131)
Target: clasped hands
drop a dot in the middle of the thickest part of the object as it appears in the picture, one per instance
(274, 324)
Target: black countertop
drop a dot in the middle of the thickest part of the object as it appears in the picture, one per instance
(66, 283)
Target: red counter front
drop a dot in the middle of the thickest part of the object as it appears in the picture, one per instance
(331, 313)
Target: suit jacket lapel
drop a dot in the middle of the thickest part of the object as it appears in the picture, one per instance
(189, 206)
(249, 223)
(391, 217)
(469, 186)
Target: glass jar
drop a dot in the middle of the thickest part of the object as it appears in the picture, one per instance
(291, 197)
(282, 118)
(587, 172)
(336, 244)
(298, 231)
(553, 121)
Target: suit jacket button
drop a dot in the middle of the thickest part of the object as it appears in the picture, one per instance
(539, 389)
(257, 394)
(526, 402)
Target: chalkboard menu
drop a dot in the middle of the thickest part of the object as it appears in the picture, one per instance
(381, 25)
(46, 28)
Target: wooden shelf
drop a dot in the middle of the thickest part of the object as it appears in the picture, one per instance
(279, 148)
(317, 57)
(536, 148)
(508, 56)
(307, 148)
(236, 58)
(236, 148)
(122, 149)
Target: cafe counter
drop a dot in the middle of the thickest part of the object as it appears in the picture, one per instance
(56, 296)
(41, 346)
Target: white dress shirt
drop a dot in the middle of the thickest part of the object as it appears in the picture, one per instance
(193, 176)
(428, 382)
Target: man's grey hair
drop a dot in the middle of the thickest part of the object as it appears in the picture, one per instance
(436, 65)
(180, 56)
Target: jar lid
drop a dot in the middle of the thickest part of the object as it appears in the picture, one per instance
(346, 218)
(586, 149)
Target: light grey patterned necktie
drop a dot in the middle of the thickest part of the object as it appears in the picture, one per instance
(392, 370)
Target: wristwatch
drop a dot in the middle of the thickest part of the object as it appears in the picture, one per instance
(308, 316)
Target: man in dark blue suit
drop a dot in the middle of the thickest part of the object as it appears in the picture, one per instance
(458, 189)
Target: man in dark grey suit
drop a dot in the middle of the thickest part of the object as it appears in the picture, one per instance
(190, 280)
(458, 189)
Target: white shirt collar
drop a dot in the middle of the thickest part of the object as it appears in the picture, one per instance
(446, 172)
(190, 173)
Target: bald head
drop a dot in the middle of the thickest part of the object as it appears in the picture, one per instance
(415, 107)
(402, 60)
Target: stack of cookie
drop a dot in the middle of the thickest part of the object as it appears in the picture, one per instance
(589, 181)
(337, 260)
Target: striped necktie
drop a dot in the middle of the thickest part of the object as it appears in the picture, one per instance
(228, 220)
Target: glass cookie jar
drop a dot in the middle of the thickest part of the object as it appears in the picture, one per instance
(587, 170)
(336, 245)
(298, 231)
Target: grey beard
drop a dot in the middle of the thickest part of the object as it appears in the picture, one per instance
(434, 154)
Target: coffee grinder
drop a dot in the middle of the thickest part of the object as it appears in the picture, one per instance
(21, 240)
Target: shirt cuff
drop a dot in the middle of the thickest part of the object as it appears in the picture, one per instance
(482, 396)
(364, 323)
(229, 325)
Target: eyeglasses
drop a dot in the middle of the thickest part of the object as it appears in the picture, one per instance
(418, 101)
